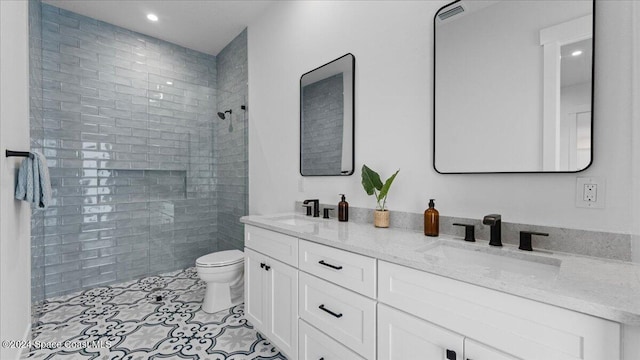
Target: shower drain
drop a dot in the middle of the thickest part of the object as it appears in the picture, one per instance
(157, 297)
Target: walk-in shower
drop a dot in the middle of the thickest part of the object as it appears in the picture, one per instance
(144, 178)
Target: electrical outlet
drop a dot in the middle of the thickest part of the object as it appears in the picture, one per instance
(590, 192)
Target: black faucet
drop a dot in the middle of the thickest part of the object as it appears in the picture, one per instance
(316, 206)
(525, 239)
(495, 221)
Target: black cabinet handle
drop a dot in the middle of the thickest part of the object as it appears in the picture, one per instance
(267, 267)
(321, 358)
(451, 355)
(262, 265)
(321, 307)
(321, 262)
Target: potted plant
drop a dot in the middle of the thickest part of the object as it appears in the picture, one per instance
(374, 186)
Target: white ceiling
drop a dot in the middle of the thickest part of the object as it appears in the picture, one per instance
(202, 25)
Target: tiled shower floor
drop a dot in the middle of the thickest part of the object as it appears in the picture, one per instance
(126, 321)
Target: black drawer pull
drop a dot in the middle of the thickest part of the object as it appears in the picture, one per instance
(451, 355)
(321, 358)
(267, 267)
(262, 265)
(321, 262)
(321, 307)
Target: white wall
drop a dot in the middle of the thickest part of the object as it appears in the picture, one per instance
(15, 243)
(392, 42)
(635, 95)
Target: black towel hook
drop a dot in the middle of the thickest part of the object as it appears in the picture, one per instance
(10, 153)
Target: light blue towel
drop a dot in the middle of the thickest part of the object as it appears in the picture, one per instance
(34, 185)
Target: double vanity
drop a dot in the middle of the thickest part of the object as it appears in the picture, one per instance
(321, 289)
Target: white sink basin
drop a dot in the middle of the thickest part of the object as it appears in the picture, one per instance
(294, 220)
(498, 263)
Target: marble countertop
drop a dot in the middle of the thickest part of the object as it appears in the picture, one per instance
(604, 288)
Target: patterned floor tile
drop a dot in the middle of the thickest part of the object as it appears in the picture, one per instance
(157, 317)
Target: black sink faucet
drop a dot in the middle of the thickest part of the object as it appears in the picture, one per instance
(495, 221)
(316, 206)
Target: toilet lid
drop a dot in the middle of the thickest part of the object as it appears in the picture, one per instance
(221, 258)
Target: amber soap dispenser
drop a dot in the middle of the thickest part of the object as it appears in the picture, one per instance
(431, 220)
(343, 209)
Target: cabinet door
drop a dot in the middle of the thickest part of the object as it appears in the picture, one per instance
(255, 290)
(405, 337)
(313, 344)
(476, 351)
(283, 306)
(342, 314)
(523, 328)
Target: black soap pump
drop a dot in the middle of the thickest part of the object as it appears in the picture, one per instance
(343, 209)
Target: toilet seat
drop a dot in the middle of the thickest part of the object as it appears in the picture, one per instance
(220, 258)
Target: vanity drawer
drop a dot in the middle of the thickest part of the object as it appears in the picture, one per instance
(348, 317)
(314, 344)
(276, 245)
(524, 328)
(352, 271)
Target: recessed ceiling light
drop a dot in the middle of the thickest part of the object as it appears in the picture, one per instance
(576, 53)
(152, 17)
(169, 83)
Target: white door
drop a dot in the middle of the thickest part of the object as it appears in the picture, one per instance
(405, 337)
(255, 290)
(283, 306)
(476, 351)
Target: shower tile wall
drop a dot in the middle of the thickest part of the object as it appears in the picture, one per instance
(35, 120)
(323, 107)
(231, 150)
(128, 131)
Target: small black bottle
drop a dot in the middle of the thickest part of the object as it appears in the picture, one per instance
(343, 209)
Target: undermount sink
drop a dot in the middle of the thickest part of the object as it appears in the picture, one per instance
(496, 262)
(294, 220)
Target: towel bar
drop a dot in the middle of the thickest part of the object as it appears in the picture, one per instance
(10, 153)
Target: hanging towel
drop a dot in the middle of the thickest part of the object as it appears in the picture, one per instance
(34, 185)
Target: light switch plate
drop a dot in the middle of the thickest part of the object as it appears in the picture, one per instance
(590, 192)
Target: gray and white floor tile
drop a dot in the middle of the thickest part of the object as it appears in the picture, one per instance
(157, 317)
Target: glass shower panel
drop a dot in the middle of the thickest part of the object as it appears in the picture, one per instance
(182, 216)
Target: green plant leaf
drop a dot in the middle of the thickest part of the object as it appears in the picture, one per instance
(370, 180)
(387, 185)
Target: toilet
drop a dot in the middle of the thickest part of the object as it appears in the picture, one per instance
(223, 272)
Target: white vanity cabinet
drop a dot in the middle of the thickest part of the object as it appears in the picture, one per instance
(477, 351)
(515, 327)
(314, 345)
(318, 302)
(337, 296)
(271, 288)
(405, 337)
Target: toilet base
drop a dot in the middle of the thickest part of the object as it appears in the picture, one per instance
(217, 297)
